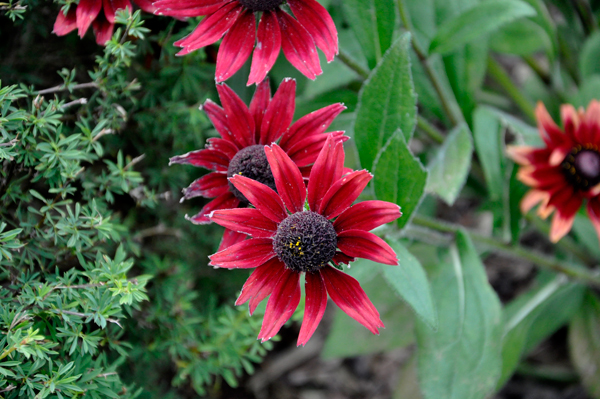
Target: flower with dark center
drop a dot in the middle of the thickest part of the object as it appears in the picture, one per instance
(299, 230)
(240, 149)
(566, 172)
(235, 21)
(89, 12)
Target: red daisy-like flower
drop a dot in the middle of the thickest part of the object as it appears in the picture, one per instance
(240, 150)
(565, 172)
(319, 227)
(236, 19)
(88, 12)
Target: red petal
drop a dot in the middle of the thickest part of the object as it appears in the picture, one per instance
(362, 244)
(65, 23)
(280, 112)
(103, 30)
(549, 131)
(563, 218)
(593, 209)
(343, 193)
(211, 29)
(222, 145)
(319, 24)
(239, 119)
(326, 170)
(341, 257)
(209, 186)
(267, 48)
(315, 304)
(288, 179)
(312, 124)
(590, 126)
(236, 46)
(230, 238)
(244, 255)
(218, 118)
(306, 151)
(345, 291)
(259, 104)
(264, 198)
(245, 220)
(367, 215)
(186, 8)
(146, 5)
(282, 303)
(87, 11)
(209, 159)
(225, 201)
(261, 283)
(298, 46)
(111, 7)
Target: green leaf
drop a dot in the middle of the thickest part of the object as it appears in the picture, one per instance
(588, 58)
(387, 102)
(373, 22)
(488, 144)
(478, 22)
(399, 177)
(521, 37)
(448, 171)
(409, 280)
(584, 343)
(462, 359)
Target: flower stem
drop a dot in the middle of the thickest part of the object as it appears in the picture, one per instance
(352, 64)
(501, 77)
(575, 272)
(431, 131)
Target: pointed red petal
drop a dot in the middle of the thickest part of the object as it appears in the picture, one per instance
(146, 6)
(239, 119)
(65, 23)
(316, 302)
(593, 209)
(280, 112)
(306, 151)
(259, 104)
(326, 170)
(319, 24)
(209, 159)
(312, 124)
(282, 303)
(362, 244)
(111, 7)
(186, 8)
(225, 201)
(87, 11)
(343, 193)
(345, 291)
(367, 215)
(298, 46)
(563, 218)
(267, 48)
(236, 46)
(549, 131)
(245, 220)
(261, 283)
(222, 145)
(341, 257)
(230, 238)
(288, 179)
(218, 118)
(264, 198)
(244, 255)
(103, 30)
(209, 186)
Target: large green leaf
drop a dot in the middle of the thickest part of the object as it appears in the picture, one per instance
(373, 22)
(478, 22)
(584, 343)
(399, 177)
(409, 280)
(488, 144)
(521, 37)
(588, 58)
(462, 359)
(387, 102)
(448, 171)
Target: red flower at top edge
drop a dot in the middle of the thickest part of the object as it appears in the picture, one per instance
(236, 19)
(306, 239)
(240, 149)
(87, 13)
(566, 171)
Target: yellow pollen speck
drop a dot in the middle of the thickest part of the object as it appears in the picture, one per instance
(572, 170)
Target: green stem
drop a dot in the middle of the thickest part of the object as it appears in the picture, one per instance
(431, 131)
(575, 272)
(352, 64)
(501, 77)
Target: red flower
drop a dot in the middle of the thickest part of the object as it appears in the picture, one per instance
(236, 19)
(240, 150)
(87, 13)
(318, 227)
(565, 172)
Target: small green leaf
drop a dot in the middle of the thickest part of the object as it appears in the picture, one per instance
(521, 37)
(488, 144)
(588, 58)
(448, 171)
(477, 22)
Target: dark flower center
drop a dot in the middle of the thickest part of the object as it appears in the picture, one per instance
(582, 167)
(261, 5)
(252, 163)
(305, 242)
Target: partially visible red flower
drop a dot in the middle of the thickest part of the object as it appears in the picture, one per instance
(240, 150)
(236, 20)
(566, 172)
(319, 228)
(88, 12)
